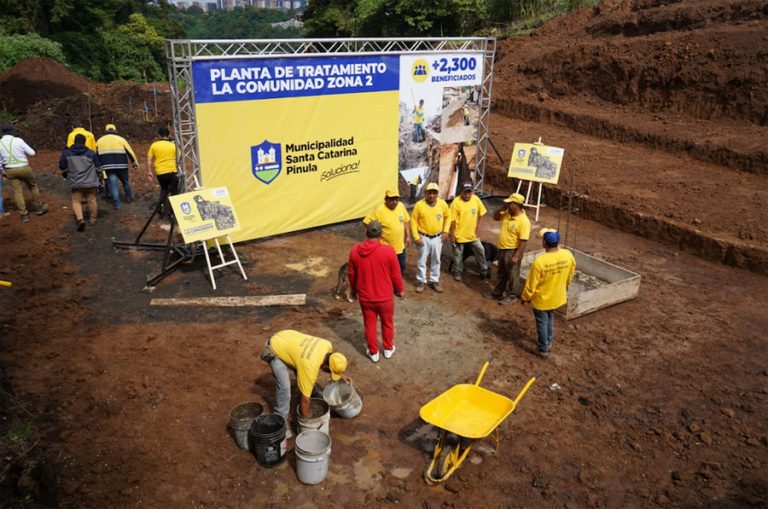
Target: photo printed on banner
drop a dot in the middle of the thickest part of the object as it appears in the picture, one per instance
(439, 106)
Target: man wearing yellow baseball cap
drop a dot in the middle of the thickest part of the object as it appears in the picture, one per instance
(115, 155)
(430, 223)
(305, 355)
(513, 236)
(394, 220)
(547, 285)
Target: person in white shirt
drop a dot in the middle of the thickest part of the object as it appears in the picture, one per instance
(14, 154)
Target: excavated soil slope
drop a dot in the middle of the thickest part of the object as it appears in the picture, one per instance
(662, 109)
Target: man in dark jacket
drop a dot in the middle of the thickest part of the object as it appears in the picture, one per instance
(373, 272)
(80, 164)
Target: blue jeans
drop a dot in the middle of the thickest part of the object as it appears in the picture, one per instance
(400, 260)
(545, 324)
(419, 133)
(2, 208)
(282, 387)
(114, 191)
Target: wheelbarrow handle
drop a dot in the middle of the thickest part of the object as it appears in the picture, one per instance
(525, 389)
(482, 371)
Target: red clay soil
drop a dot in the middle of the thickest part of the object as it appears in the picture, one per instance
(658, 402)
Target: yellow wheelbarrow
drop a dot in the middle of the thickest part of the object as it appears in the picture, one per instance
(464, 414)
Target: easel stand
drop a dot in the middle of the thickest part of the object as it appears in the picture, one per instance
(224, 262)
(175, 254)
(529, 188)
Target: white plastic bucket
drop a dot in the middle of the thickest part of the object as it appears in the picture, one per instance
(313, 451)
(343, 399)
(240, 419)
(319, 417)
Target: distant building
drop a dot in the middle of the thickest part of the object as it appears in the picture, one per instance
(228, 5)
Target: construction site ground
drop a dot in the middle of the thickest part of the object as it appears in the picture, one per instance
(662, 401)
(657, 401)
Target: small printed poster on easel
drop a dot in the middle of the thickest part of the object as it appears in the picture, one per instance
(536, 162)
(208, 215)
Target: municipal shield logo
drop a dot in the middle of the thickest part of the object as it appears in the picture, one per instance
(185, 207)
(266, 161)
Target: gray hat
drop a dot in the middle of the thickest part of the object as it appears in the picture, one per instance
(373, 229)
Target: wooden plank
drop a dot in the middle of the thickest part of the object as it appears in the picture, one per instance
(296, 299)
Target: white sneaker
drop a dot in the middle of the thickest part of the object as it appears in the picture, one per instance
(389, 353)
(373, 356)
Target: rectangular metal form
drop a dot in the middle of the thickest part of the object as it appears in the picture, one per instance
(597, 283)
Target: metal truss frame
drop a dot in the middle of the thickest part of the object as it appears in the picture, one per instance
(181, 53)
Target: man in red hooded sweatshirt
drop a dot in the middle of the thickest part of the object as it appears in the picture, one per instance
(373, 272)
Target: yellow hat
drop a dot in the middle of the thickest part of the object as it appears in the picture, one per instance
(110, 127)
(544, 231)
(392, 193)
(515, 198)
(337, 363)
(432, 187)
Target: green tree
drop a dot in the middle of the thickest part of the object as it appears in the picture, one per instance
(14, 48)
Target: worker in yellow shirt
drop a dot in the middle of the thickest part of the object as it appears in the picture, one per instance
(76, 127)
(513, 236)
(419, 133)
(394, 220)
(305, 355)
(466, 212)
(161, 164)
(547, 285)
(430, 223)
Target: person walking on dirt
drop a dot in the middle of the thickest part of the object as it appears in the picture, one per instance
(547, 286)
(161, 164)
(419, 133)
(114, 155)
(394, 220)
(76, 127)
(513, 236)
(305, 355)
(466, 212)
(430, 223)
(373, 272)
(79, 165)
(14, 154)
(466, 114)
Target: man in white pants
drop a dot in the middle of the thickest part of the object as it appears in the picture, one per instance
(430, 224)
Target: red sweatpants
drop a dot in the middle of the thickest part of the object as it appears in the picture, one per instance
(373, 310)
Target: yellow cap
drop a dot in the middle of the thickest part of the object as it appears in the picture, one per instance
(515, 198)
(392, 193)
(544, 231)
(110, 127)
(432, 187)
(337, 363)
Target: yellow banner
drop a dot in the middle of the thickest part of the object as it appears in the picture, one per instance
(204, 214)
(296, 163)
(535, 162)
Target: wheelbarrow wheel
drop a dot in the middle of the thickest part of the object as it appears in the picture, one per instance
(442, 465)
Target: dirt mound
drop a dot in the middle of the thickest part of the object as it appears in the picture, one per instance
(702, 59)
(49, 96)
(34, 79)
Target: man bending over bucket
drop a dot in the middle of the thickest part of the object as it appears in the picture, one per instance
(306, 355)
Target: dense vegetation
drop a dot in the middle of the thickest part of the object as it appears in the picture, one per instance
(109, 40)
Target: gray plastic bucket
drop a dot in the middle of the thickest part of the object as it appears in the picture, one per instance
(319, 416)
(240, 419)
(313, 451)
(267, 439)
(343, 399)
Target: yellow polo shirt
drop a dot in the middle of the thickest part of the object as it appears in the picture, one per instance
(513, 230)
(547, 284)
(465, 215)
(430, 220)
(392, 223)
(302, 352)
(163, 154)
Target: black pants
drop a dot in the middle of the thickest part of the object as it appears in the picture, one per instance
(169, 185)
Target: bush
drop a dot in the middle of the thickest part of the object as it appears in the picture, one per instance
(15, 48)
